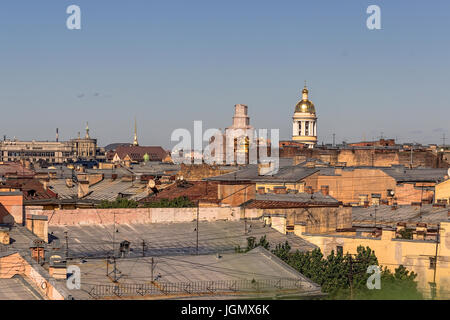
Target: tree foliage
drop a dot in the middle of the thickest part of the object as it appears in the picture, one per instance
(180, 202)
(118, 203)
(344, 276)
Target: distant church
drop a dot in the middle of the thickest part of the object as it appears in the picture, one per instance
(304, 125)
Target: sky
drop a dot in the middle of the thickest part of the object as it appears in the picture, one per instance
(171, 62)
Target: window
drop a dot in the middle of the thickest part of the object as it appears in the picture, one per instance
(306, 128)
(299, 128)
(340, 250)
(432, 262)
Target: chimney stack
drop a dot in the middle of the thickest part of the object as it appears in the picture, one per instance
(83, 189)
(325, 190)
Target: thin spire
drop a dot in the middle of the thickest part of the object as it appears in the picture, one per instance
(135, 140)
(87, 130)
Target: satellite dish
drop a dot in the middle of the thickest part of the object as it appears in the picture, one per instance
(151, 183)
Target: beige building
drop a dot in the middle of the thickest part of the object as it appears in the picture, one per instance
(49, 151)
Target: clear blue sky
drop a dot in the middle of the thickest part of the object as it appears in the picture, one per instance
(172, 62)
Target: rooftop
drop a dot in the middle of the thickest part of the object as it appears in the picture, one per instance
(162, 239)
(298, 200)
(285, 174)
(195, 274)
(386, 216)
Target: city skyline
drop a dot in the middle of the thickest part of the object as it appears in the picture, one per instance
(171, 64)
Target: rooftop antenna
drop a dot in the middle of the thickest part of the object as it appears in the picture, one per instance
(57, 135)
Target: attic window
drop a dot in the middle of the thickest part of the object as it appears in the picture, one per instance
(31, 193)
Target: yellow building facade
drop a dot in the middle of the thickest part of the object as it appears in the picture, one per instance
(415, 255)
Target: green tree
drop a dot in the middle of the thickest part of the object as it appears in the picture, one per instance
(345, 276)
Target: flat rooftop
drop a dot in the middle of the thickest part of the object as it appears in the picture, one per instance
(166, 239)
(386, 216)
(191, 276)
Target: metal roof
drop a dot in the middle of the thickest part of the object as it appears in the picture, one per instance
(386, 216)
(287, 174)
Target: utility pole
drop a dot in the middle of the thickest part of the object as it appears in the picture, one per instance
(198, 214)
(153, 268)
(411, 161)
(443, 140)
(115, 269)
(67, 245)
(334, 139)
(143, 247)
(375, 216)
(114, 235)
(433, 286)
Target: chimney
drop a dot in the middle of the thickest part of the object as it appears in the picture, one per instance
(38, 224)
(325, 190)
(261, 190)
(4, 236)
(45, 184)
(264, 169)
(83, 189)
(69, 183)
(309, 189)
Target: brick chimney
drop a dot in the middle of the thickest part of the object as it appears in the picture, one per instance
(325, 190)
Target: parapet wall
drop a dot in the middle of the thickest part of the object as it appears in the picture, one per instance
(141, 215)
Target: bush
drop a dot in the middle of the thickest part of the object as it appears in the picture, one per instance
(180, 202)
(118, 203)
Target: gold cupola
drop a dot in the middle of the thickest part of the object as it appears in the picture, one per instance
(305, 105)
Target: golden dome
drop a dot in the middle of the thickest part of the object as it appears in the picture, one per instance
(305, 105)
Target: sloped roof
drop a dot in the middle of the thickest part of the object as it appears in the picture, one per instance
(32, 189)
(10, 168)
(284, 201)
(403, 174)
(136, 153)
(287, 174)
(193, 190)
